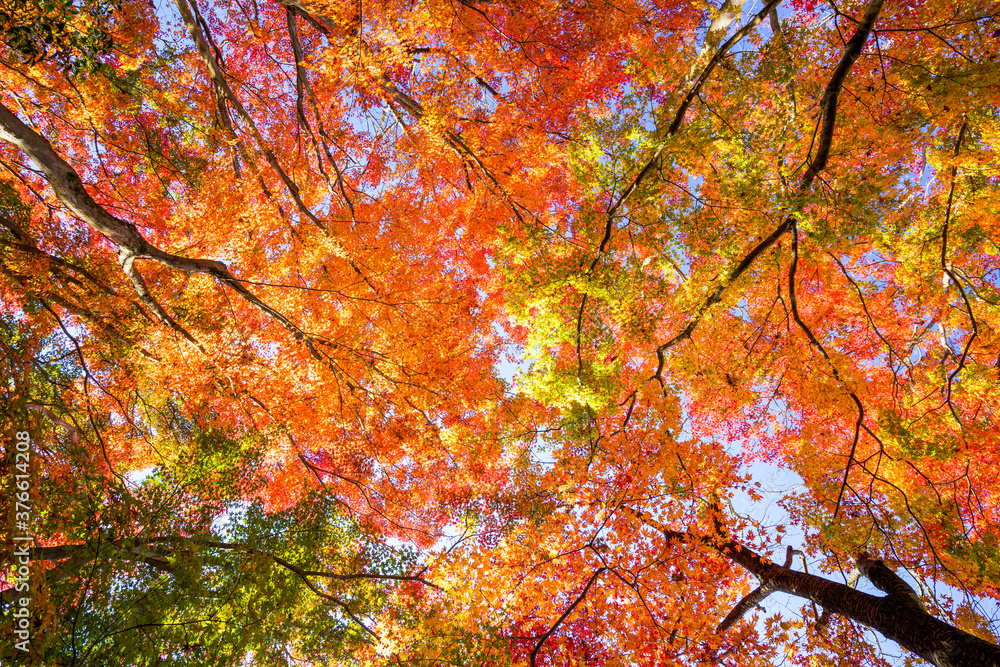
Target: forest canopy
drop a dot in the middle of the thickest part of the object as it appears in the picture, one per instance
(479, 332)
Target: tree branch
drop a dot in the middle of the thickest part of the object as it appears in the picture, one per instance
(219, 79)
(749, 601)
(126, 259)
(950, 274)
(886, 580)
(69, 189)
(569, 610)
(678, 119)
(898, 616)
(828, 118)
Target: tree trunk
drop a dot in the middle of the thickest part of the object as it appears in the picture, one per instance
(899, 615)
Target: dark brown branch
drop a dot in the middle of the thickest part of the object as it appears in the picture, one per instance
(868, 315)
(675, 125)
(569, 610)
(302, 86)
(793, 301)
(898, 615)
(828, 104)
(301, 574)
(221, 105)
(716, 295)
(219, 79)
(749, 601)
(885, 579)
(365, 57)
(946, 267)
(372, 576)
(827, 120)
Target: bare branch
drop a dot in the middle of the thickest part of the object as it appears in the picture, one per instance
(678, 119)
(833, 368)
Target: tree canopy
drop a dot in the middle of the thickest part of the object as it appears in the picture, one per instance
(474, 332)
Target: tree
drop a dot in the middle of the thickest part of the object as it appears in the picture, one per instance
(152, 560)
(302, 236)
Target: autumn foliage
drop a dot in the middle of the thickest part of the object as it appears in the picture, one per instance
(478, 332)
